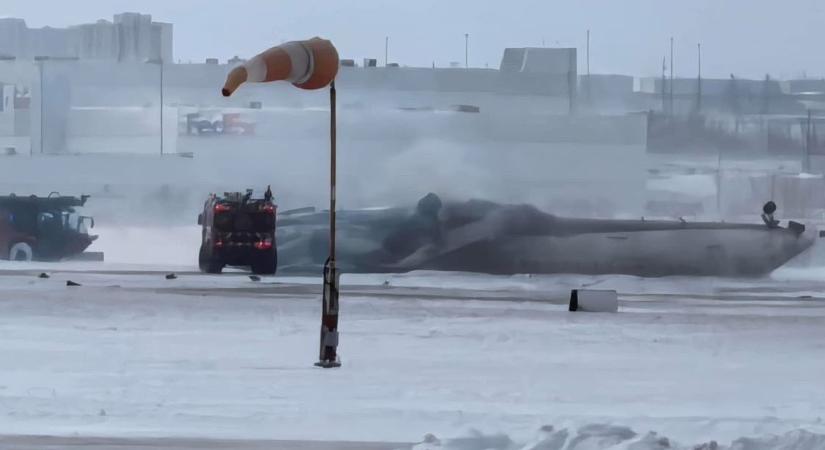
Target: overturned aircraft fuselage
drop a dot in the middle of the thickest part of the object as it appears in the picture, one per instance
(479, 236)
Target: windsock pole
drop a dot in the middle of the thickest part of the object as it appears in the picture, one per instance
(328, 355)
(332, 169)
(309, 64)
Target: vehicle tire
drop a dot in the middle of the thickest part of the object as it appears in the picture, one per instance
(209, 263)
(266, 264)
(20, 251)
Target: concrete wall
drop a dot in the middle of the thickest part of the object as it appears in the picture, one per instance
(50, 104)
(17, 72)
(22, 123)
(806, 85)
(98, 83)
(711, 86)
(490, 126)
(11, 135)
(560, 61)
(121, 130)
(212, 76)
(6, 98)
(592, 166)
(6, 123)
(605, 86)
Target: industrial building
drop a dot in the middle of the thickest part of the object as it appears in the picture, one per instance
(128, 37)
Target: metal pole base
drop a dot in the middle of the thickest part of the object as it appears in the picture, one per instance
(328, 364)
(328, 354)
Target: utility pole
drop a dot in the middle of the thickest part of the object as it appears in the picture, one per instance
(160, 67)
(806, 163)
(766, 95)
(386, 50)
(719, 184)
(699, 79)
(466, 50)
(42, 116)
(671, 76)
(588, 67)
(664, 85)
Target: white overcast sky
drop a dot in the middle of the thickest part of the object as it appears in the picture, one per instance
(785, 38)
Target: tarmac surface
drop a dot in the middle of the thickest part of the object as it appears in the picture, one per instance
(99, 443)
(130, 359)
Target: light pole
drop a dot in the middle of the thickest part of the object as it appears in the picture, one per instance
(719, 184)
(386, 50)
(41, 64)
(664, 85)
(159, 62)
(671, 76)
(588, 67)
(466, 50)
(806, 162)
(699, 79)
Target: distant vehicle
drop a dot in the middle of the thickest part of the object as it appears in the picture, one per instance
(218, 123)
(43, 228)
(238, 230)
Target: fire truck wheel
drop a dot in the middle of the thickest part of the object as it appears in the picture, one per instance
(208, 262)
(20, 251)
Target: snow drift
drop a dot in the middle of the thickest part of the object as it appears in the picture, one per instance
(613, 437)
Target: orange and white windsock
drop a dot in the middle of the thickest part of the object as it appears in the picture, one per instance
(310, 64)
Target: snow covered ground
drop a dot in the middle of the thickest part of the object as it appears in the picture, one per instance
(132, 354)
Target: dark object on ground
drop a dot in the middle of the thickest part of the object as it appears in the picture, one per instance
(238, 230)
(487, 237)
(43, 275)
(254, 278)
(590, 300)
(217, 124)
(43, 228)
(71, 283)
(171, 276)
(466, 108)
